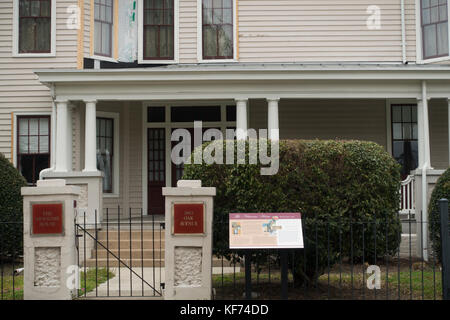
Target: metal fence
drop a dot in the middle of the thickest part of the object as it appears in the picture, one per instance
(11, 260)
(342, 259)
(121, 257)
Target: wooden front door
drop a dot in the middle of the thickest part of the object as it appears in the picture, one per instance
(156, 169)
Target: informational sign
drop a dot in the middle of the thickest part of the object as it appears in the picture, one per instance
(188, 218)
(47, 218)
(265, 230)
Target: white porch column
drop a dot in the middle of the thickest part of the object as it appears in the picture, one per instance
(448, 124)
(90, 138)
(69, 137)
(241, 119)
(272, 119)
(423, 129)
(62, 163)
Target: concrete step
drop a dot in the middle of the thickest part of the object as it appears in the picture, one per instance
(125, 254)
(135, 235)
(135, 244)
(103, 263)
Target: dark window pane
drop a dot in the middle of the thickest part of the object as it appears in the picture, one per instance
(42, 162)
(231, 113)
(158, 30)
(43, 34)
(190, 114)
(105, 151)
(26, 167)
(34, 26)
(156, 114)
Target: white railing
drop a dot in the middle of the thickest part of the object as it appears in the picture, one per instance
(407, 205)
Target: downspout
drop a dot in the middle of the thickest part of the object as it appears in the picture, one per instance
(53, 137)
(402, 8)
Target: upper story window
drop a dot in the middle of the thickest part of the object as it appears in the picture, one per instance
(103, 19)
(434, 28)
(35, 26)
(217, 29)
(159, 30)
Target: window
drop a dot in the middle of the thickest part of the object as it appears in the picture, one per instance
(191, 114)
(35, 26)
(103, 19)
(405, 137)
(217, 29)
(158, 30)
(33, 146)
(434, 28)
(156, 114)
(105, 151)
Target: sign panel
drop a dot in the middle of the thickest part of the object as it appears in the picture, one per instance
(265, 230)
(188, 218)
(47, 218)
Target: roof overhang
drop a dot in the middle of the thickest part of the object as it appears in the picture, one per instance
(249, 81)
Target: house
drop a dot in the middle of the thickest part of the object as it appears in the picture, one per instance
(90, 90)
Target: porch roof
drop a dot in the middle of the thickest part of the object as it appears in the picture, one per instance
(237, 80)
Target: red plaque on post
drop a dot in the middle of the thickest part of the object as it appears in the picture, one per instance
(47, 218)
(188, 218)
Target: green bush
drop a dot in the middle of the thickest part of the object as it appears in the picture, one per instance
(344, 190)
(11, 218)
(441, 190)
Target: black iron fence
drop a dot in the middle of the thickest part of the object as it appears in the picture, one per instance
(121, 257)
(11, 260)
(372, 259)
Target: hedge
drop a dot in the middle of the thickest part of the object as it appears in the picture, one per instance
(440, 191)
(337, 186)
(11, 218)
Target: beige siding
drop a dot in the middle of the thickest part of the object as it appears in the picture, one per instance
(438, 111)
(326, 30)
(188, 31)
(20, 90)
(326, 119)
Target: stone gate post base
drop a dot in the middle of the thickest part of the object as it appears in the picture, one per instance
(188, 258)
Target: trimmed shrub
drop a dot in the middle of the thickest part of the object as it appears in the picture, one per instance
(11, 218)
(440, 191)
(344, 190)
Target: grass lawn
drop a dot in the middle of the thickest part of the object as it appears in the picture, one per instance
(404, 285)
(12, 289)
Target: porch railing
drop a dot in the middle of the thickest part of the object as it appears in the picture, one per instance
(407, 206)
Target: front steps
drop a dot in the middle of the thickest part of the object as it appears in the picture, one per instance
(146, 249)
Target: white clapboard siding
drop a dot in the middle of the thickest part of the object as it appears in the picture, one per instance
(322, 31)
(20, 90)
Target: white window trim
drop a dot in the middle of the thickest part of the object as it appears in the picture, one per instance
(15, 138)
(419, 36)
(116, 180)
(15, 37)
(176, 49)
(200, 36)
(168, 125)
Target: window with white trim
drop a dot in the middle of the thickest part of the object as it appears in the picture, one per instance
(434, 24)
(34, 26)
(217, 29)
(103, 27)
(33, 146)
(105, 151)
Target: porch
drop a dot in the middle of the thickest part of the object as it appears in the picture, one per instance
(301, 101)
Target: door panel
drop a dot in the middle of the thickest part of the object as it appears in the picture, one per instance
(156, 175)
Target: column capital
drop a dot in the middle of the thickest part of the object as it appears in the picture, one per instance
(277, 99)
(241, 99)
(90, 101)
(61, 100)
(420, 99)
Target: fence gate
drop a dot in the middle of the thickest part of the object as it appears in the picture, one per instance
(121, 257)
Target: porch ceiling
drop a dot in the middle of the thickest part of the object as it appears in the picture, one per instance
(231, 81)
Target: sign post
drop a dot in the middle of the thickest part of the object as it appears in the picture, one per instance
(266, 231)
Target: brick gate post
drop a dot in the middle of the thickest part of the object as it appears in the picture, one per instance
(50, 266)
(188, 258)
